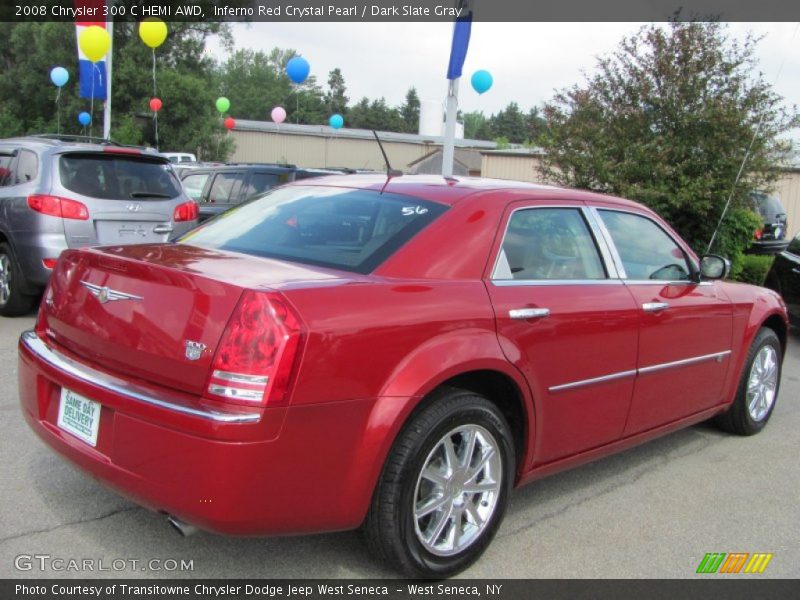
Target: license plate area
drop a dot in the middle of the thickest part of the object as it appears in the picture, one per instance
(128, 232)
(79, 416)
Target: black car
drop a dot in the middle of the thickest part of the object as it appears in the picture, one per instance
(784, 278)
(771, 238)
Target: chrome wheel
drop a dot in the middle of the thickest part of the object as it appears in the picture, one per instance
(457, 490)
(762, 383)
(5, 279)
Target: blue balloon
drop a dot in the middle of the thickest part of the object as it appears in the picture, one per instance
(336, 121)
(59, 76)
(482, 81)
(84, 118)
(297, 69)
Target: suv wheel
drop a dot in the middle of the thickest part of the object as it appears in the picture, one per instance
(12, 301)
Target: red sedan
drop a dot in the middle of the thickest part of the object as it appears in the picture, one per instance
(396, 355)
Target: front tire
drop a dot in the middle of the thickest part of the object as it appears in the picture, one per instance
(444, 488)
(12, 301)
(758, 387)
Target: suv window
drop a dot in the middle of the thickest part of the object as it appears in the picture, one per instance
(118, 177)
(194, 185)
(646, 251)
(27, 167)
(548, 243)
(353, 230)
(6, 158)
(768, 207)
(225, 187)
(261, 182)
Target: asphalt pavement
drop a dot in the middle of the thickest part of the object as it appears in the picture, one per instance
(653, 511)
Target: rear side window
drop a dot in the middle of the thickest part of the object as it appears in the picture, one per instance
(195, 184)
(118, 177)
(352, 230)
(27, 167)
(548, 243)
(225, 187)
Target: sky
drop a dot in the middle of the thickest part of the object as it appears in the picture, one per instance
(527, 60)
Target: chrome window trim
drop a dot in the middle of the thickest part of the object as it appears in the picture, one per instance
(609, 241)
(599, 243)
(718, 356)
(113, 384)
(664, 282)
(546, 282)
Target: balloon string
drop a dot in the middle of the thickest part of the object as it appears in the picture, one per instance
(155, 95)
(58, 111)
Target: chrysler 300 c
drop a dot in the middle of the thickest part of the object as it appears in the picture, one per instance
(390, 354)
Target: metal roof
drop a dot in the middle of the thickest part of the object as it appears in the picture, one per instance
(358, 134)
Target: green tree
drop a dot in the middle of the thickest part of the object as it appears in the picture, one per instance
(534, 126)
(409, 111)
(667, 119)
(375, 115)
(185, 83)
(336, 98)
(510, 124)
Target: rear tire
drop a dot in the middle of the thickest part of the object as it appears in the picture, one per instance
(758, 387)
(12, 301)
(444, 488)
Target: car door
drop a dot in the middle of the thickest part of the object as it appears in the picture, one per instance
(686, 325)
(568, 323)
(787, 271)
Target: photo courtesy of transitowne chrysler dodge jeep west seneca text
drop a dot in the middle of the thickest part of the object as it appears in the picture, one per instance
(393, 354)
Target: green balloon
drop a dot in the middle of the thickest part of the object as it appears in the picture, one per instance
(223, 104)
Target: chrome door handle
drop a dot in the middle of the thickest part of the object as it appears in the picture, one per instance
(523, 314)
(654, 307)
(162, 229)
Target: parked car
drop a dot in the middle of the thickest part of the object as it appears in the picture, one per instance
(771, 238)
(180, 157)
(58, 193)
(219, 188)
(784, 278)
(396, 354)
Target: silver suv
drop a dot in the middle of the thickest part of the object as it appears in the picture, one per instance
(58, 193)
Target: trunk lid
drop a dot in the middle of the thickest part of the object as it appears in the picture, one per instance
(146, 310)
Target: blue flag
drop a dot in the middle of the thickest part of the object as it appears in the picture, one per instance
(461, 31)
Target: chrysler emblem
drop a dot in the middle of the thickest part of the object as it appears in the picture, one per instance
(105, 294)
(194, 350)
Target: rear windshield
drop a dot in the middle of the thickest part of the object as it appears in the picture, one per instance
(118, 177)
(768, 206)
(352, 230)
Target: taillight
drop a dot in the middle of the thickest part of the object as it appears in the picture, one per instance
(49, 263)
(254, 361)
(58, 207)
(758, 233)
(188, 211)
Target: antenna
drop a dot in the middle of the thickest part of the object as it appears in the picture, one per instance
(390, 172)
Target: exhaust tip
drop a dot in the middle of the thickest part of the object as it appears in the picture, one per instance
(184, 529)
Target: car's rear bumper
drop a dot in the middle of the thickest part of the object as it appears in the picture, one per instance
(768, 247)
(32, 250)
(291, 471)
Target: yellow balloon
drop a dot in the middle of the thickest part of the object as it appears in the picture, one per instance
(94, 42)
(153, 32)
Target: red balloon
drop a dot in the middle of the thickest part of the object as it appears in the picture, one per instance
(155, 104)
(230, 123)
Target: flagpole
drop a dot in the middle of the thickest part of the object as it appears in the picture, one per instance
(451, 112)
(107, 108)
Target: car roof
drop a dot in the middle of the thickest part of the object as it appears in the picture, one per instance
(450, 190)
(77, 143)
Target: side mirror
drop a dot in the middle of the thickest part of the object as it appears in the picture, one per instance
(714, 267)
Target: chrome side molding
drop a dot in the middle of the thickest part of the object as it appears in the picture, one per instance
(63, 363)
(717, 356)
